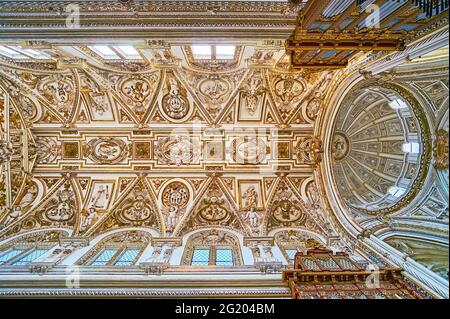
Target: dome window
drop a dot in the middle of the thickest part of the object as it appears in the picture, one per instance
(412, 148)
(398, 104)
(396, 191)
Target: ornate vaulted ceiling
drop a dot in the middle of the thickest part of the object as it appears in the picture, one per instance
(112, 138)
(372, 168)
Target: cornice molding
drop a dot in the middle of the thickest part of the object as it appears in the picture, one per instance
(149, 292)
(174, 19)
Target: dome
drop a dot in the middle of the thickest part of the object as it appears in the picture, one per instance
(375, 148)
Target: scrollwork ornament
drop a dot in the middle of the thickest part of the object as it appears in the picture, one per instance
(59, 90)
(177, 150)
(441, 150)
(6, 151)
(47, 150)
(175, 103)
(285, 209)
(136, 211)
(60, 210)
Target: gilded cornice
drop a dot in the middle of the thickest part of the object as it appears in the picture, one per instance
(246, 19)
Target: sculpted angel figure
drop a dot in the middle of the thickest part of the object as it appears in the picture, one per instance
(171, 218)
(100, 197)
(287, 212)
(64, 210)
(167, 254)
(313, 194)
(252, 217)
(29, 196)
(5, 151)
(174, 88)
(59, 254)
(269, 254)
(215, 89)
(254, 88)
(15, 213)
(87, 218)
(100, 104)
(155, 254)
(256, 252)
(250, 198)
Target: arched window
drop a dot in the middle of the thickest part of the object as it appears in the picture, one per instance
(119, 249)
(212, 248)
(28, 248)
(292, 241)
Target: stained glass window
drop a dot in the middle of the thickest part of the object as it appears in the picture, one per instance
(200, 257)
(104, 257)
(224, 257)
(8, 255)
(127, 258)
(31, 256)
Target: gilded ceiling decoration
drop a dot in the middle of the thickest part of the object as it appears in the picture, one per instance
(441, 150)
(98, 138)
(144, 19)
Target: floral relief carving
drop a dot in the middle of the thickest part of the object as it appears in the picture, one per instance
(136, 210)
(175, 103)
(213, 208)
(177, 150)
(59, 91)
(47, 149)
(138, 91)
(6, 151)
